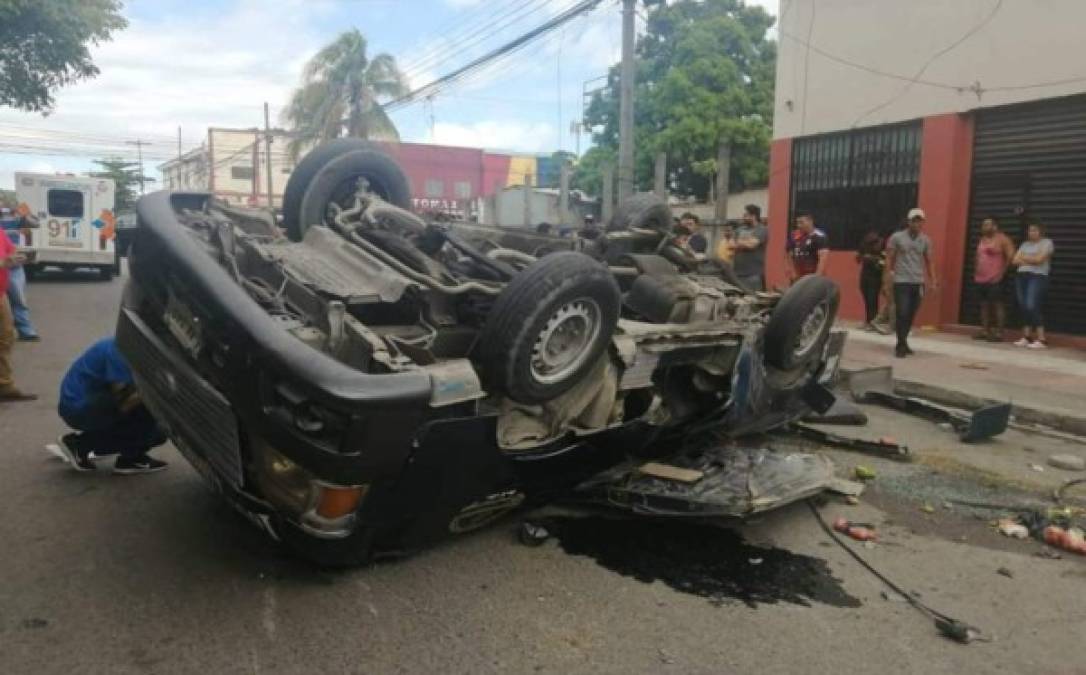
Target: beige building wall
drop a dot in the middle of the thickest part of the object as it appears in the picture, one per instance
(232, 170)
(856, 68)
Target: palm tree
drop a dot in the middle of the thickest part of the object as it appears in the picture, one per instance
(339, 93)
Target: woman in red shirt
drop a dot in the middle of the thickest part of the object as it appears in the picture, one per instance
(994, 254)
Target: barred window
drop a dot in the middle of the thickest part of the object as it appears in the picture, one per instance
(856, 181)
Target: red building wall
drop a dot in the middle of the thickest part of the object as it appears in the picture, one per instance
(946, 157)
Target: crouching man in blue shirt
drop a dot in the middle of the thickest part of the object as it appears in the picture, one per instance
(99, 400)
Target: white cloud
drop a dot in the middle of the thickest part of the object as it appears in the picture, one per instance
(497, 134)
(214, 68)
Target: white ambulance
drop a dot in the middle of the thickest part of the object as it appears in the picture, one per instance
(75, 222)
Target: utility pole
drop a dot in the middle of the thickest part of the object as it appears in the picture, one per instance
(179, 147)
(723, 169)
(139, 154)
(563, 194)
(659, 183)
(608, 195)
(626, 103)
(267, 155)
(255, 197)
(528, 200)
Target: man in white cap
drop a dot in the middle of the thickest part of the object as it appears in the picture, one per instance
(908, 258)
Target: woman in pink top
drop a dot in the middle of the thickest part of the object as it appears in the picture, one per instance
(994, 254)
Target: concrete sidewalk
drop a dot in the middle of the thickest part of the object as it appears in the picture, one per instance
(1046, 387)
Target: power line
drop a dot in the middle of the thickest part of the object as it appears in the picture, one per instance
(949, 48)
(480, 34)
(573, 12)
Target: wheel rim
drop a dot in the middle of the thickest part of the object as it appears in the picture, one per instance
(810, 331)
(565, 341)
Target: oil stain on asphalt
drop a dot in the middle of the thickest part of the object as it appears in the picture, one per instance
(702, 560)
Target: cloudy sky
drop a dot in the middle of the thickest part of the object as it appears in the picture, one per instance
(199, 63)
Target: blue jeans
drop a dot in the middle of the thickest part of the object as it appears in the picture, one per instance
(17, 297)
(907, 299)
(1030, 289)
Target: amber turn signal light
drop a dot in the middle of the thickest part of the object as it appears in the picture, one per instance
(335, 502)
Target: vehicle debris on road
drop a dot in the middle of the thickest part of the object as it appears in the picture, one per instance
(1012, 528)
(883, 447)
(876, 385)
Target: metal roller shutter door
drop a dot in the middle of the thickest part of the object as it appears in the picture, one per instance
(1029, 162)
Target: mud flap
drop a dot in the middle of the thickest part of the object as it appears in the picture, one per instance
(714, 482)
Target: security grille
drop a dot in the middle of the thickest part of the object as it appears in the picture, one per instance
(1029, 162)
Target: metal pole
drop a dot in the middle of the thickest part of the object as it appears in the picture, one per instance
(268, 157)
(527, 200)
(139, 155)
(608, 195)
(256, 167)
(723, 168)
(659, 183)
(563, 194)
(179, 147)
(626, 103)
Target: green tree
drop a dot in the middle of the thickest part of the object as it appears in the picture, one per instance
(704, 74)
(340, 93)
(44, 46)
(126, 179)
(588, 171)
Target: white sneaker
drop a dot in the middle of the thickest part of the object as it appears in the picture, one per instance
(1022, 342)
(1037, 344)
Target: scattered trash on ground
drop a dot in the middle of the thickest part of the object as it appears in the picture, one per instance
(1069, 540)
(1048, 554)
(927, 508)
(862, 472)
(851, 500)
(1068, 462)
(1037, 467)
(1013, 528)
(858, 531)
(1005, 572)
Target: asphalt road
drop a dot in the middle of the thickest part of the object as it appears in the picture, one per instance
(105, 574)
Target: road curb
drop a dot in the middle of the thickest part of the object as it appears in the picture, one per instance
(1058, 420)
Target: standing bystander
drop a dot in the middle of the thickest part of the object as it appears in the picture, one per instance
(750, 243)
(1034, 262)
(872, 259)
(994, 254)
(9, 258)
(908, 258)
(20, 311)
(807, 248)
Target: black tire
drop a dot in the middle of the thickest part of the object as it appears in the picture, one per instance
(105, 273)
(643, 210)
(565, 283)
(303, 173)
(334, 182)
(801, 323)
(653, 265)
(31, 272)
(655, 298)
